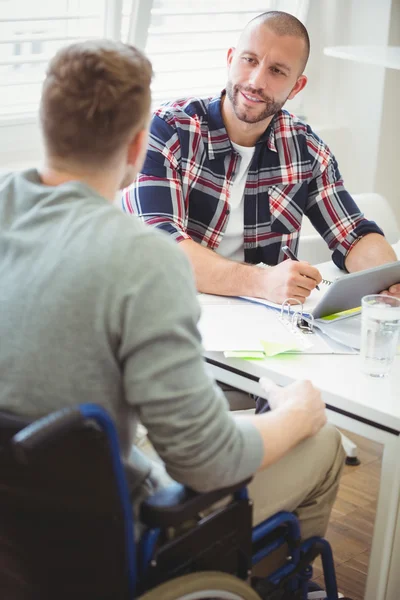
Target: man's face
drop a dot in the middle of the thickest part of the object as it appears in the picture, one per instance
(263, 72)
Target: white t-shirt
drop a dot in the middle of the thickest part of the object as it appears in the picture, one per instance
(232, 245)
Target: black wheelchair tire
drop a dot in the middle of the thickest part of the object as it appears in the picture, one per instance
(201, 586)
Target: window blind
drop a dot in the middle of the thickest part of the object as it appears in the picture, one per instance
(187, 41)
(31, 33)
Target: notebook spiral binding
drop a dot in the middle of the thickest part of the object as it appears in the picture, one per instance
(294, 319)
(327, 282)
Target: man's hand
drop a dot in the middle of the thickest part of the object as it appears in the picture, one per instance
(394, 291)
(290, 279)
(300, 397)
(298, 412)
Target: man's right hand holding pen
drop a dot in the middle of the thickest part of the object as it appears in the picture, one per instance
(289, 279)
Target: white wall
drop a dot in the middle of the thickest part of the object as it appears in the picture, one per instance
(353, 106)
(345, 97)
(388, 164)
(20, 144)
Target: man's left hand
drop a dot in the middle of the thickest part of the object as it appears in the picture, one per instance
(394, 290)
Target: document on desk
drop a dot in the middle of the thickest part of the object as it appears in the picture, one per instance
(345, 331)
(246, 330)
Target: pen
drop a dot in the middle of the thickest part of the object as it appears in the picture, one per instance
(287, 252)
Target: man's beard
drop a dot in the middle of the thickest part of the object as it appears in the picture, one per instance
(270, 107)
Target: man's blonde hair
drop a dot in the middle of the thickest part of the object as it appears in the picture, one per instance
(96, 96)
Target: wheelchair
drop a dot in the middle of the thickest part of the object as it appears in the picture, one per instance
(67, 526)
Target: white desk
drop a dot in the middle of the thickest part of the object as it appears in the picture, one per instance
(359, 403)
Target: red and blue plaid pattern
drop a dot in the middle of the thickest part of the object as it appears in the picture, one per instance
(184, 186)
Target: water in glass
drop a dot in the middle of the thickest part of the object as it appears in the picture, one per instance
(379, 339)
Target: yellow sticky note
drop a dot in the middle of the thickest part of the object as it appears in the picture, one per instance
(274, 348)
(341, 314)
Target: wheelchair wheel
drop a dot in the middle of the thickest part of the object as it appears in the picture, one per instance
(204, 585)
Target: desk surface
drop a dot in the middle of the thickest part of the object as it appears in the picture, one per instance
(339, 377)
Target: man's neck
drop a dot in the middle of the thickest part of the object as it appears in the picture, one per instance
(241, 133)
(104, 183)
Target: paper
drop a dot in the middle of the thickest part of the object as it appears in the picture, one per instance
(345, 331)
(207, 299)
(244, 330)
(257, 355)
(242, 354)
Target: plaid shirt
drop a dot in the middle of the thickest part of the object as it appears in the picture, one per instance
(185, 182)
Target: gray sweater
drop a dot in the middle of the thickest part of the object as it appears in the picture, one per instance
(97, 307)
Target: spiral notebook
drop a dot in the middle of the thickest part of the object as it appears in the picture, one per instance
(247, 330)
(336, 298)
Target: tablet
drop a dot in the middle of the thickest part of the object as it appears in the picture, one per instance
(346, 292)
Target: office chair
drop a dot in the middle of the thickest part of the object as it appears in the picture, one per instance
(67, 526)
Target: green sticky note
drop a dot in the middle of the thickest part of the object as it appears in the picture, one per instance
(341, 314)
(270, 349)
(274, 348)
(251, 354)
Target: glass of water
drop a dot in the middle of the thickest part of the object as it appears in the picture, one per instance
(380, 328)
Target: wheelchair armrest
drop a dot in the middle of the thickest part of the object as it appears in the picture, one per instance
(176, 503)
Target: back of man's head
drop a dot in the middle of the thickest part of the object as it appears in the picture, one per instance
(96, 96)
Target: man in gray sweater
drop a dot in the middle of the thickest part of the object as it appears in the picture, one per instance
(97, 307)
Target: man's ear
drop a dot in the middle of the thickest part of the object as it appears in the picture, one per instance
(137, 147)
(299, 85)
(229, 56)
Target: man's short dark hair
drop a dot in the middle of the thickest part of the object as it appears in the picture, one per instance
(95, 96)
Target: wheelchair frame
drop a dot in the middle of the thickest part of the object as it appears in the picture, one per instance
(164, 509)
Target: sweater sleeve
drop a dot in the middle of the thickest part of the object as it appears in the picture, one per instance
(165, 379)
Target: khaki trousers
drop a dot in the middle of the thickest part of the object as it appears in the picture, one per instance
(305, 481)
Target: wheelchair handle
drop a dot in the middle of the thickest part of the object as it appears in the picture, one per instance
(40, 433)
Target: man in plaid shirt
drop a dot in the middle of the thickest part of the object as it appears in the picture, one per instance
(231, 177)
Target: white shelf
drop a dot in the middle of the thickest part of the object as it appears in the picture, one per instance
(383, 56)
